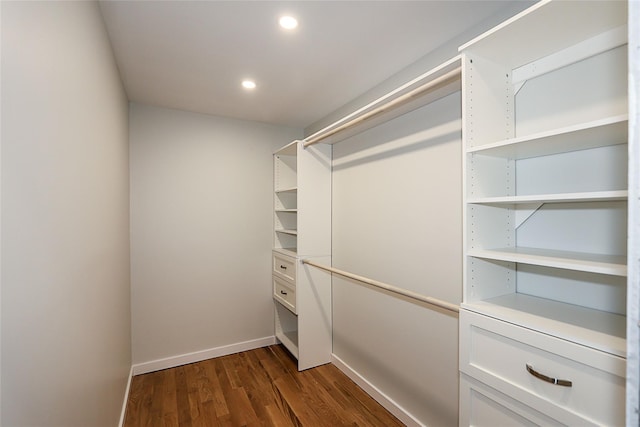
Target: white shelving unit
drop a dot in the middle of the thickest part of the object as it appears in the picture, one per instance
(302, 229)
(285, 183)
(545, 160)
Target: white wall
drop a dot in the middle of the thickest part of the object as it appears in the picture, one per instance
(397, 218)
(66, 349)
(201, 221)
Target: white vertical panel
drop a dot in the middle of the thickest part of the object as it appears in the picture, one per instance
(314, 200)
(397, 218)
(633, 284)
(314, 314)
(489, 110)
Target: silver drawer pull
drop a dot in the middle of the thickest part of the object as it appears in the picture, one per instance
(284, 267)
(283, 292)
(564, 383)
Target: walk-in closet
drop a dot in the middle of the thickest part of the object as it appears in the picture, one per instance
(320, 213)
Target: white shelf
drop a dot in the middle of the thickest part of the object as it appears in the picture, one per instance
(287, 190)
(287, 210)
(501, 43)
(593, 328)
(613, 265)
(598, 133)
(291, 232)
(293, 252)
(290, 341)
(291, 149)
(595, 196)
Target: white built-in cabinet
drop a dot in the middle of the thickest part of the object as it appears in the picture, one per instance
(543, 319)
(302, 230)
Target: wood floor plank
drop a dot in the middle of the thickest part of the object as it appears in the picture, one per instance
(260, 388)
(201, 415)
(276, 418)
(218, 401)
(169, 402)
(158, 398)
(137, 394)
(255, 383)
(182, 398)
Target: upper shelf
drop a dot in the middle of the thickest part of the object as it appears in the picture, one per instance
(291, 149)
(426, 88)
(505, 45)
(598, 133)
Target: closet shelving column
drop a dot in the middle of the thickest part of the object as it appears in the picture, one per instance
(285, 167)
(302, 229)
(545, 159)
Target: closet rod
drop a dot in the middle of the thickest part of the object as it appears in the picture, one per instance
(429, 300)
(431, 85)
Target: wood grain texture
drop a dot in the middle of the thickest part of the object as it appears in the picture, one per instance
(260, 387)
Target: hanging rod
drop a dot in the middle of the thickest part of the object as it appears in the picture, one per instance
(358, 116)
(413, 295)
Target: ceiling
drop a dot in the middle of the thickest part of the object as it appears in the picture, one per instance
(192, 55)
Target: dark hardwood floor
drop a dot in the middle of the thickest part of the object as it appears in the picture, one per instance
(260, 387)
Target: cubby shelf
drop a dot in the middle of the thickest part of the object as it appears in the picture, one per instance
(290, 341)
(614, 265)
(589, 196)
(292, 252)
(598, 133)
(291, 232)
(597, 329)
(287, 190)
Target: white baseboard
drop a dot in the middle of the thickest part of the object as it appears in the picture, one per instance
(198, 356)
(126, 398)
(384, 400)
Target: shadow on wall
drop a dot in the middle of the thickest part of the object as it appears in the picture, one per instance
(402, 136)
(407, 145)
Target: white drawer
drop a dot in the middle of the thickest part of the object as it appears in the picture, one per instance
(483, 406)
(497, 353)
(284, 266)
(285, 293)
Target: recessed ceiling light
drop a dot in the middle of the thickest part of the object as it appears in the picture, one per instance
(288, 22)
(248, 84)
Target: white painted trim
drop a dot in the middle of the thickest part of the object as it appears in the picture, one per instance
(384, 400)
(126, 398)
(197, 356)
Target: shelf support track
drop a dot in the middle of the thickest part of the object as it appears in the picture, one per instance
(394, 289)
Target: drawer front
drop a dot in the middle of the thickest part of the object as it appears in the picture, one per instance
(285, 293)
(483, 406)
(284, 266)
(497, 353)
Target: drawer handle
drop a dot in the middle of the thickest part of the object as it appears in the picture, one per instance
(564, 383)
(284, 267)
(283, 292)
